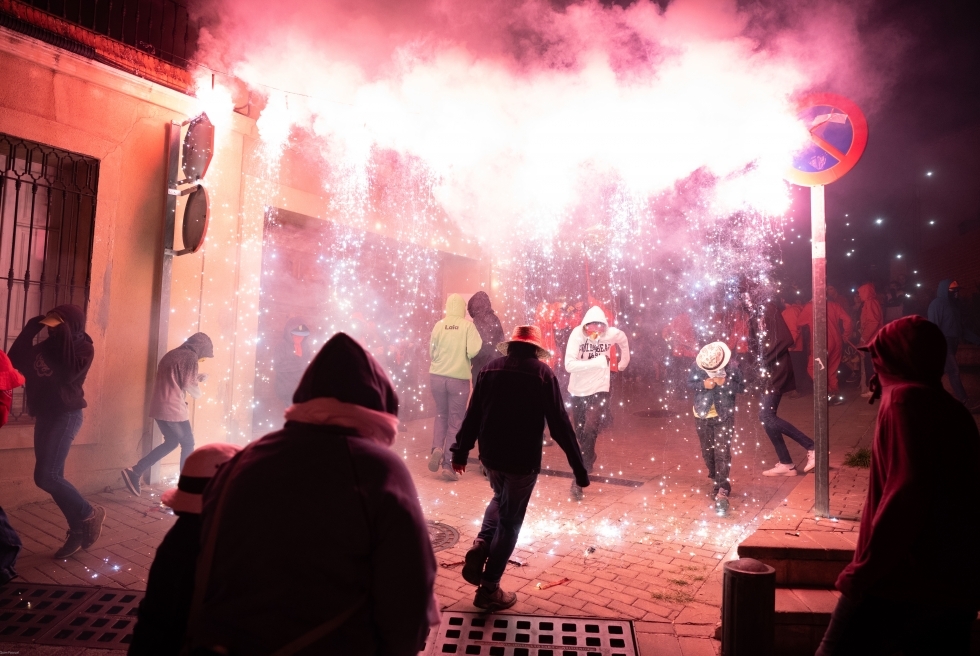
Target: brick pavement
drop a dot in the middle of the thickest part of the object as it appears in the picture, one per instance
(650, 553)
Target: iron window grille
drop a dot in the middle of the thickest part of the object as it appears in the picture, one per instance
(47, 230)
(162, 28)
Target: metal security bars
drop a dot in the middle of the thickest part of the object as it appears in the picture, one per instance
(47, 229)
(161, 28)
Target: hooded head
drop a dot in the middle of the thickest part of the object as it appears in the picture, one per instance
(343, 370)
(942, 293)
(478, 304)
(455, 306)
(200, 344)
(597, 316)
(866, 292)
(909, 349)
(73, 316)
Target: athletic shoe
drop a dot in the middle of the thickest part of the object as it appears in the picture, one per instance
(132, 481)
(837, 400)
(449, 475)
(72, 544)
(92, 527)
(494, 601)
(435, 459)
(811, 461)
(721, 502)
(577, 493)
(781, 470)
(474, 562)
(867, 395)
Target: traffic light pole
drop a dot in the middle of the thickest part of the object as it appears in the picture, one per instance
(821, 433)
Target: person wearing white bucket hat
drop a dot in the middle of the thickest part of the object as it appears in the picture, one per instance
(162, 621)
(715, 380)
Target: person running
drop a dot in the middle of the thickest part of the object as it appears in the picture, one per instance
(177, 377)
(908, 588)
(944, 311)
(455, 341)
(513, 399)
(588, 359)
(715, 380)
(770, 341)
(55, 371)
(839, 328)
(868, 325)
(491, 332)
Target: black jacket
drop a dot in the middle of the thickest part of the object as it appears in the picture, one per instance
(162, 620)
(55, 369)
(491, 332)
(769, 342)
(315, 519)
(512, 399)
(723, 397)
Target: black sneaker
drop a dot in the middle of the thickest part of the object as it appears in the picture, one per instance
(475, 561)
(92, 527)
(72, 544)
(132, 481)
(494, 601)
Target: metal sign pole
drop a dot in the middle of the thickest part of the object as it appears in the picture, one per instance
(818, 232)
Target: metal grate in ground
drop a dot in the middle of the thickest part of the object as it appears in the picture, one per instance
(531, 635)
(442, 536)
(68, 615)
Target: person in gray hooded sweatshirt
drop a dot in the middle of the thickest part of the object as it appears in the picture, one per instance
(176, 377)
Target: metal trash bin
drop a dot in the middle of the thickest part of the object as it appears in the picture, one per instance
(748, 608)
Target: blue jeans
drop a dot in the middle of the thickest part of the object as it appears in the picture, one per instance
(716, 436)
(503, 519)
(450, 395)
(776, 427)
(53, 435)
(952, 371)
(879, 627)
(9, 548)
(174, 433)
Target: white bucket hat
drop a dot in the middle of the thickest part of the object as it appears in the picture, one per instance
(201, 466)
(714, 357)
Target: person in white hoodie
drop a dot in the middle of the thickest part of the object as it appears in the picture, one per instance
(588, 361)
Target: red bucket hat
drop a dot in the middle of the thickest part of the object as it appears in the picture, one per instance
(526, 335)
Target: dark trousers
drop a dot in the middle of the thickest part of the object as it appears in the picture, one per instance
(9, 548)
(804, 384)
(878, 627)
(175, 433)
(952, 371)
(589, 413)
(776, 427)
(53, 435)
(869, 369)
(450, 395)
(503, 519)
(716, 436)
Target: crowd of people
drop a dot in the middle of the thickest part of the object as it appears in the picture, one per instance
(217, 582)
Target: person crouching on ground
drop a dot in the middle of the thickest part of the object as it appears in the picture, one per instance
(588, 362)
(162, 621)
(512, 400)
(176, 378)
(312, 538)
(913, 585)
(715, 380)
(55, 370)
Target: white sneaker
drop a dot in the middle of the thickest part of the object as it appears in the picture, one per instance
(435, 460)
(781, 470)
(867, 395)
(811, 461)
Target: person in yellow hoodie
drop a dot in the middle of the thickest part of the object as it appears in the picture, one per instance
(454, 343)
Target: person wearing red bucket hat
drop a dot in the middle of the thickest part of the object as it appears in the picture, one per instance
(162, 621)
(512, 399)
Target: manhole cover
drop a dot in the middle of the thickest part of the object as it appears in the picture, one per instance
(530, 635)
(442, 536)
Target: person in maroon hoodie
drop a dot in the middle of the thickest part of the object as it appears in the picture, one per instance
(914, 583)
(55, 370)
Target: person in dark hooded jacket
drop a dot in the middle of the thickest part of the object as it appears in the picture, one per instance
(291, 357)
(491, 332)
(913, 585)
(177, 377)
(55, 371)
(944, 311)
(313, 539)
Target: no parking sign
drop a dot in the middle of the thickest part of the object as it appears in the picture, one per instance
(838, 135)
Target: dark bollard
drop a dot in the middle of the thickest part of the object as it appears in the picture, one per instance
(748, 608)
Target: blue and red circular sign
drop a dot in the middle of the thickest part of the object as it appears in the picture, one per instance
(838, 135)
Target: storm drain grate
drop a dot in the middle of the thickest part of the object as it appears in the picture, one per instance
(30, 610)
(531, 635)
(442, 536)
(68, 615)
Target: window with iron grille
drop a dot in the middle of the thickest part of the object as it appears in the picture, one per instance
(47, 229)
